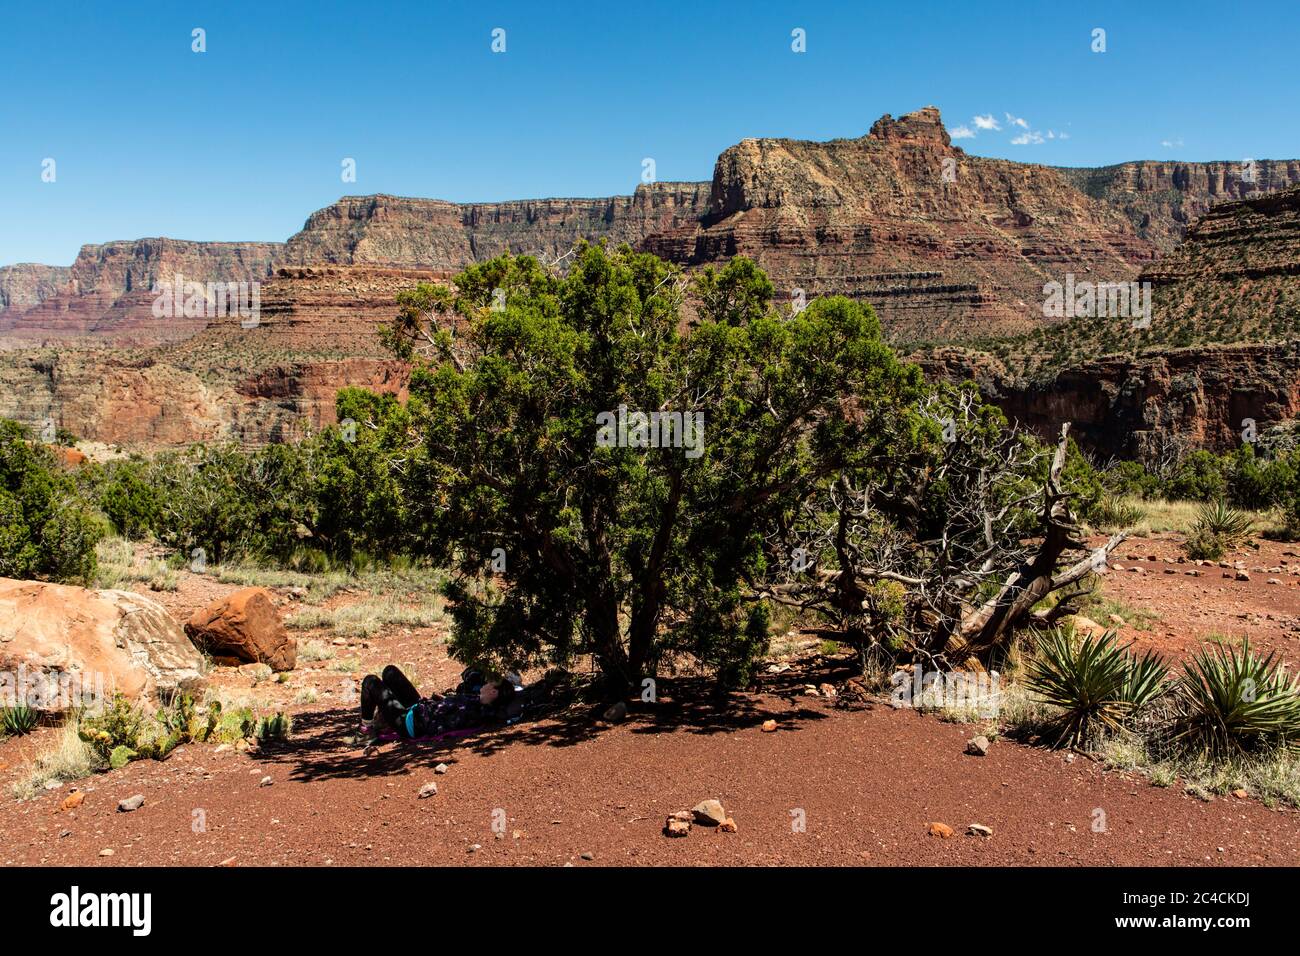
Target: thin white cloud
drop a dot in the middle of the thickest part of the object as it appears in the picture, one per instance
(986, 122)
(962, 132)
(1033, 138)
(1018, 121)
(1171, 143)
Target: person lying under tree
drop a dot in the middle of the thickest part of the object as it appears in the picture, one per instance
(391, 704)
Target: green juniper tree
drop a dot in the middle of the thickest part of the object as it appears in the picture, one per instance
(555, 416)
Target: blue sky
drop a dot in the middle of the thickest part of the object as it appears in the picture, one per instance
(245, 140)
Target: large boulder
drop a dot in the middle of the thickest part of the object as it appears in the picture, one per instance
(63, 646)
(244, 628)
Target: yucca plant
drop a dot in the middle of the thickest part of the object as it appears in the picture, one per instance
(1217, 521)
(19, 720)
(1230, 701)
(1096, 684)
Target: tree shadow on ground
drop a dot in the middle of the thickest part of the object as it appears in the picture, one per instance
(325, 744)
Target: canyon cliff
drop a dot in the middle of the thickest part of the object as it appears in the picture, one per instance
(947, 246)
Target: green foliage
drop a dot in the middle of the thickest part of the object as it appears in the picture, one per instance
(333, 497)
(1097, 685)
(274, 727)
(1230, 700)
(632, 554)
(1217, 530)
(1198, 477)
(120, 725)
(1112, 513)
(18, 720)
(128, 499)
(47, 531)
(124, 732)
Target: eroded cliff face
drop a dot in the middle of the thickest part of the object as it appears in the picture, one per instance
(1162, 199)
(107, 295)
(28, 283)
(944, 244)
(1235, 276)
(1125, 405)
(445, 237)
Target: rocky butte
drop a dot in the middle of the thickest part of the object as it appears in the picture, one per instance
(947, 246)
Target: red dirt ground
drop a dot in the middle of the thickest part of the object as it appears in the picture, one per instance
(867, 782)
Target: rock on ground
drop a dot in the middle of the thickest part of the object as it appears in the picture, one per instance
(110, 640)
(244, 628)
(710, 813)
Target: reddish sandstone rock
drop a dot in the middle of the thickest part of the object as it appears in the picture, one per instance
(244, 627)
(66, 645)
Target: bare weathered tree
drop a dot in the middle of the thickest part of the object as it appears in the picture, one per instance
(948, 559)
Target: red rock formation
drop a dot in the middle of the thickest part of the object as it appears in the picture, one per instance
(108, 294)
(944, 244)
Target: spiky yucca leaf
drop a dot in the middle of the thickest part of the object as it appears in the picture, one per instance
(1230, 700)
(1096, 684)
(18, 720)
(1231, 526)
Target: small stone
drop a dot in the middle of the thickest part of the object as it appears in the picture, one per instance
(828, 690)
(616, 712)
(1242, 576)
(441, 768)
(1117, 620)
(589, 856)
(72, 801)
(107, 851)
(53, 784)
(428, 790)
(941, 830)
(979, 829)
(674, 827)
(1274, 581)
(64, 833)
(265, 782)
(977, 746)
(474, 847)
(769, 726)
(709, 813)
(131, 803)
(1240, 794)
(728, 826)
(228, 861)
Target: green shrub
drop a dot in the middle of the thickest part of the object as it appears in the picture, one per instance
(275, 727)
(1096, 685)
(47, 530)
(1217, 529)
(1229, 700)
(19, 720)
(128, 500)
(1116, 513)
(1199, 477)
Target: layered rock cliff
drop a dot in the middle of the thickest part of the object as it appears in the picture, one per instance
(107, 295)
(944, 244)
(1162, 198)
(1231, 291)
